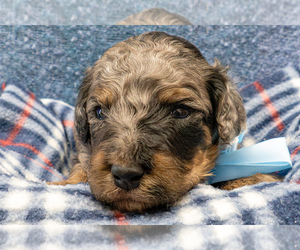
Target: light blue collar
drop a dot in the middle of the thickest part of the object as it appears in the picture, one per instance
(265, 157)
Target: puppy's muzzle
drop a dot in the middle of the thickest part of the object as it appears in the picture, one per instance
(126, 177)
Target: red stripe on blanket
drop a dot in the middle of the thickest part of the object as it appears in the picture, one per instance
(295, 152)
(68, 123)
(20, 123)
(45, 167)
(3, 86)
(270, 106)
(121, 220)
(24, 145)
(120, 239)
(16, 130)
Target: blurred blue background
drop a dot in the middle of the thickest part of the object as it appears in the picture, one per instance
(108, 12)
(51, 60)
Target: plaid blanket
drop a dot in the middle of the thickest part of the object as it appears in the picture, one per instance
(36, 143)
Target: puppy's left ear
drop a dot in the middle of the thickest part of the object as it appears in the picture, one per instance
(81, 122)
(229, 111)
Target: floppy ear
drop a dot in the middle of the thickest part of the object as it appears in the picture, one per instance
(81, 122)
(229, 111)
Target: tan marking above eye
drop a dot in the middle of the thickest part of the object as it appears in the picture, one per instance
(176, 95)
(104, 96)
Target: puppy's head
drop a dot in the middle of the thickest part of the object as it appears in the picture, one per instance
(150, 119)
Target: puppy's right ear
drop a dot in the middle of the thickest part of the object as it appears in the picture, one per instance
(230, 114)
(81, 122)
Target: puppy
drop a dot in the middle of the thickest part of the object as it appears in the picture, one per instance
(151, 118)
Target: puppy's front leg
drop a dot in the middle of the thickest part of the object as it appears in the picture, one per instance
(251, 180)
(77, 175)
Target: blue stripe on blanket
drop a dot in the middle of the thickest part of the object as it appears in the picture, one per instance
(33, 135)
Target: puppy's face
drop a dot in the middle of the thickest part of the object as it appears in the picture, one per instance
(150, 118)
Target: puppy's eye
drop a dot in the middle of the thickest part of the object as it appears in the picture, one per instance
(181, 112)
(99, 113)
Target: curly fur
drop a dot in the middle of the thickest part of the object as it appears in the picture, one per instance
(138, 83)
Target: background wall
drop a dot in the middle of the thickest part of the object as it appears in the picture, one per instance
(200, 12)
(51, 60)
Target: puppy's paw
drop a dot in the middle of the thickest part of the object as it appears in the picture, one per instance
(251, 180)
(62, 183)
(77, 175)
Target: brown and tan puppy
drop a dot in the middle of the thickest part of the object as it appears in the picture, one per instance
(151, 118)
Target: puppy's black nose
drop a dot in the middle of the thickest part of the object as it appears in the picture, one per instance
(126, 178)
